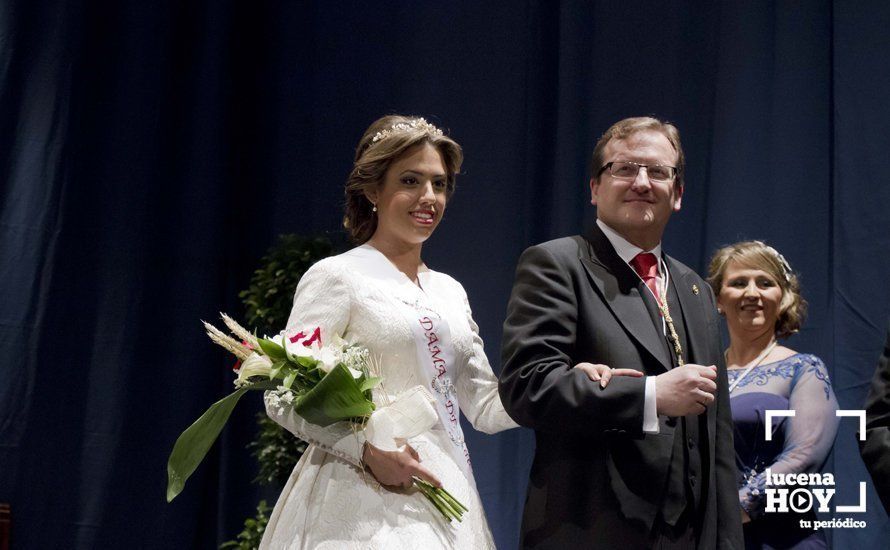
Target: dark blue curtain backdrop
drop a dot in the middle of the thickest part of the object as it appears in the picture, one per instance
(151, 152)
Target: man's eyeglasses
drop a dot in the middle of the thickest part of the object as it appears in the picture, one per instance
(627, 170)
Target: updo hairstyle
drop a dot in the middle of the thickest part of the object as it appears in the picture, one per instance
(384, 142)
(759, 255)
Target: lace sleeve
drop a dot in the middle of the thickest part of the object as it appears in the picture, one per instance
(477, 386)
(809, 434)
(323, 298)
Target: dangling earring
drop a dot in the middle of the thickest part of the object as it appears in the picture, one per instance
(719, 310)
(374, 209)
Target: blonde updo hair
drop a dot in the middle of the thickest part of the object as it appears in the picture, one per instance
(759, 255)
(387, 139)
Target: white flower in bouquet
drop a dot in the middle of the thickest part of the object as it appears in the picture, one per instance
(327, 359)
(303, 343)
(254, 365)
(309, 345)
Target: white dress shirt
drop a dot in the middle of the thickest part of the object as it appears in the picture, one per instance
(627, 252)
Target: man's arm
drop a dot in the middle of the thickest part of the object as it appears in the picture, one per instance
(729, 521)
(876, 447)
(538, 385)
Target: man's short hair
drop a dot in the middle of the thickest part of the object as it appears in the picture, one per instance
(625, 128)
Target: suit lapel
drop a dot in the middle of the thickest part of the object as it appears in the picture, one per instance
(620, 289)
(694, 306)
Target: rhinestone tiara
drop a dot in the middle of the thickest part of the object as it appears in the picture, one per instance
(413, 124)
(786, 267)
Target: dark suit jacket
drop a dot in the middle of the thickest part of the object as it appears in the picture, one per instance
(597, 480)
(876, 447)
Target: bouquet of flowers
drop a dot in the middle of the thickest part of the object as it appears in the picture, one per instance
(324, 384)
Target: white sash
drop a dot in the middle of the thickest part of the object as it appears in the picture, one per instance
(435, 357)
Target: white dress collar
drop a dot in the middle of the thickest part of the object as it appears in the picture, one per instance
(371, 262)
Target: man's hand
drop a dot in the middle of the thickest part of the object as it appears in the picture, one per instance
(396, 468)
(602, 373)
(685, 390)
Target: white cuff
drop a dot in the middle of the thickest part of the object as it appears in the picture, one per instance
(650, 413)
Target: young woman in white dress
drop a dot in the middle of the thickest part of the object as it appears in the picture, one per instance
(344, 492)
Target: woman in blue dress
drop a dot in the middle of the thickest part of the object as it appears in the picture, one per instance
(759, 295)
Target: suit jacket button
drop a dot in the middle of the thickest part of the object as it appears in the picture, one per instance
(691, 443)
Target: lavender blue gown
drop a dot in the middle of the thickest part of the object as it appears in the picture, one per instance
(799, 444)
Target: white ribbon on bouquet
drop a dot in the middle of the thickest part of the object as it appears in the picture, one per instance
(409, 415)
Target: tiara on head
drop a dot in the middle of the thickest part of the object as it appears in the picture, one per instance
(413, 124)
(786, 267)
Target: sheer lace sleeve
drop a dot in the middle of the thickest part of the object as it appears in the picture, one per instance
(477, 386)
(323, 298)
(809, 434)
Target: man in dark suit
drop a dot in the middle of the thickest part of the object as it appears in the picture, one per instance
(876, 447)
(645, 462)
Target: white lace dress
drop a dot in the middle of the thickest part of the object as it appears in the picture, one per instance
(329, 501)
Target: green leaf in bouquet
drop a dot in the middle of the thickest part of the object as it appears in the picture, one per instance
(289, 379)
(290, 356)
(272, 350)
(193, 444)
(368, 383)
(276, 369)
(307, 362)
(337, 397)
